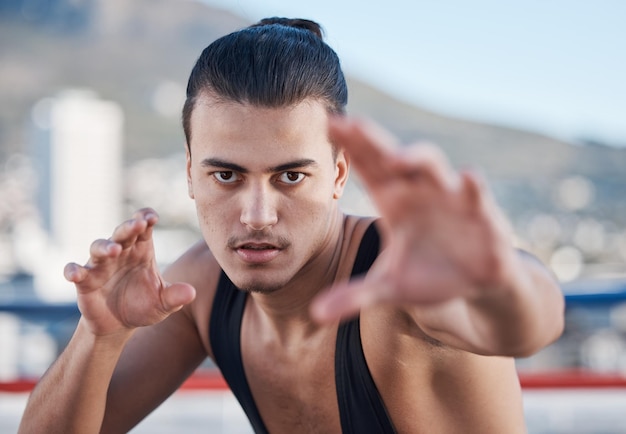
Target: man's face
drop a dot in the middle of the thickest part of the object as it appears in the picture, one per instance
(266, 187)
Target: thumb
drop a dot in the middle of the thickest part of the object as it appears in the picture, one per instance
(175, 295)
(343, 301)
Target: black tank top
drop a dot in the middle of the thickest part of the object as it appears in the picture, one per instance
(361, 409)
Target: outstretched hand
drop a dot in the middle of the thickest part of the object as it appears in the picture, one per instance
(120, 288)
(444, 236)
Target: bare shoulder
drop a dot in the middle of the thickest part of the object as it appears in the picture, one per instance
(198, 267)
(421, 378)
(194, 266)
(418, 376)
(354, 228)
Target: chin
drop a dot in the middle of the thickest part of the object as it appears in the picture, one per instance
(260, 279)
(260, 289)
(259, 286)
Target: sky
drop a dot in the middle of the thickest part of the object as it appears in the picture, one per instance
(553, 66)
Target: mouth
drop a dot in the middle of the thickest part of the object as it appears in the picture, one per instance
(257, 246)
(256, 253)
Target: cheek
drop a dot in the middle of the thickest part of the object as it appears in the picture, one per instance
(213, 216)
(311, 213)
(319, 199)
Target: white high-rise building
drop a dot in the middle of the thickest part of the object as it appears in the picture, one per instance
(78, 156)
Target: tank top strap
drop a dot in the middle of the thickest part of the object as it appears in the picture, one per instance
(225, 338)
(361, 407)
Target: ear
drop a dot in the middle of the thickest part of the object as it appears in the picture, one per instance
(342, 169)
(189, 182)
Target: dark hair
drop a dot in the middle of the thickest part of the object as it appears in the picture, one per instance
(277, 62)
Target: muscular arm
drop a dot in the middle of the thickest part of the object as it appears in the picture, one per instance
(70, 396)
(513, 321)
(153, 365)
(131, 318)
(109, 385)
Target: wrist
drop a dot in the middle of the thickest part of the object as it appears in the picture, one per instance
(107, 340)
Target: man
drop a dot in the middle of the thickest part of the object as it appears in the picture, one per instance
(420, 340)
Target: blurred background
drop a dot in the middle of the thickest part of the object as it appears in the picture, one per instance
(532, 94)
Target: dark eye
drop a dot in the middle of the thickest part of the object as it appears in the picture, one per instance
(291, 177)
(226, 176)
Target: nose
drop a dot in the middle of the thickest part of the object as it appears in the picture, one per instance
(258, 209)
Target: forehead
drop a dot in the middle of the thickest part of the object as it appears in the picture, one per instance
(234, 128)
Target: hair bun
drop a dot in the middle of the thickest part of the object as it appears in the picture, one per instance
(298, 23)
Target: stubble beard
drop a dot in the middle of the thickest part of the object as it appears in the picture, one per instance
(254, 278)
(260, 289)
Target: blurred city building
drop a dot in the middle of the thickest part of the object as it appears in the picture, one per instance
(63, 195)
(77, 155)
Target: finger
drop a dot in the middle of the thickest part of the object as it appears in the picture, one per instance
(151, 218)
(343, 301)
(474, 187)
(479, 196)
(369, 146)
(74, 272)
(101, 250)
(138, 228)
(126, 233)
(176, 295)
(148, 214)
(482, 201)
(377, 158)
(427, 162)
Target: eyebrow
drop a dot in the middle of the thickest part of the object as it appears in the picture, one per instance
(297, 164)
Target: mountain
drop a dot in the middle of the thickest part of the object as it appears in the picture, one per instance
(126, 51)
(523, 166)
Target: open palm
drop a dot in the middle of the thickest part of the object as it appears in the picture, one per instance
(444, 235)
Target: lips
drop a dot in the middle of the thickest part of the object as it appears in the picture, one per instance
(257, 246)
(257, 253)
